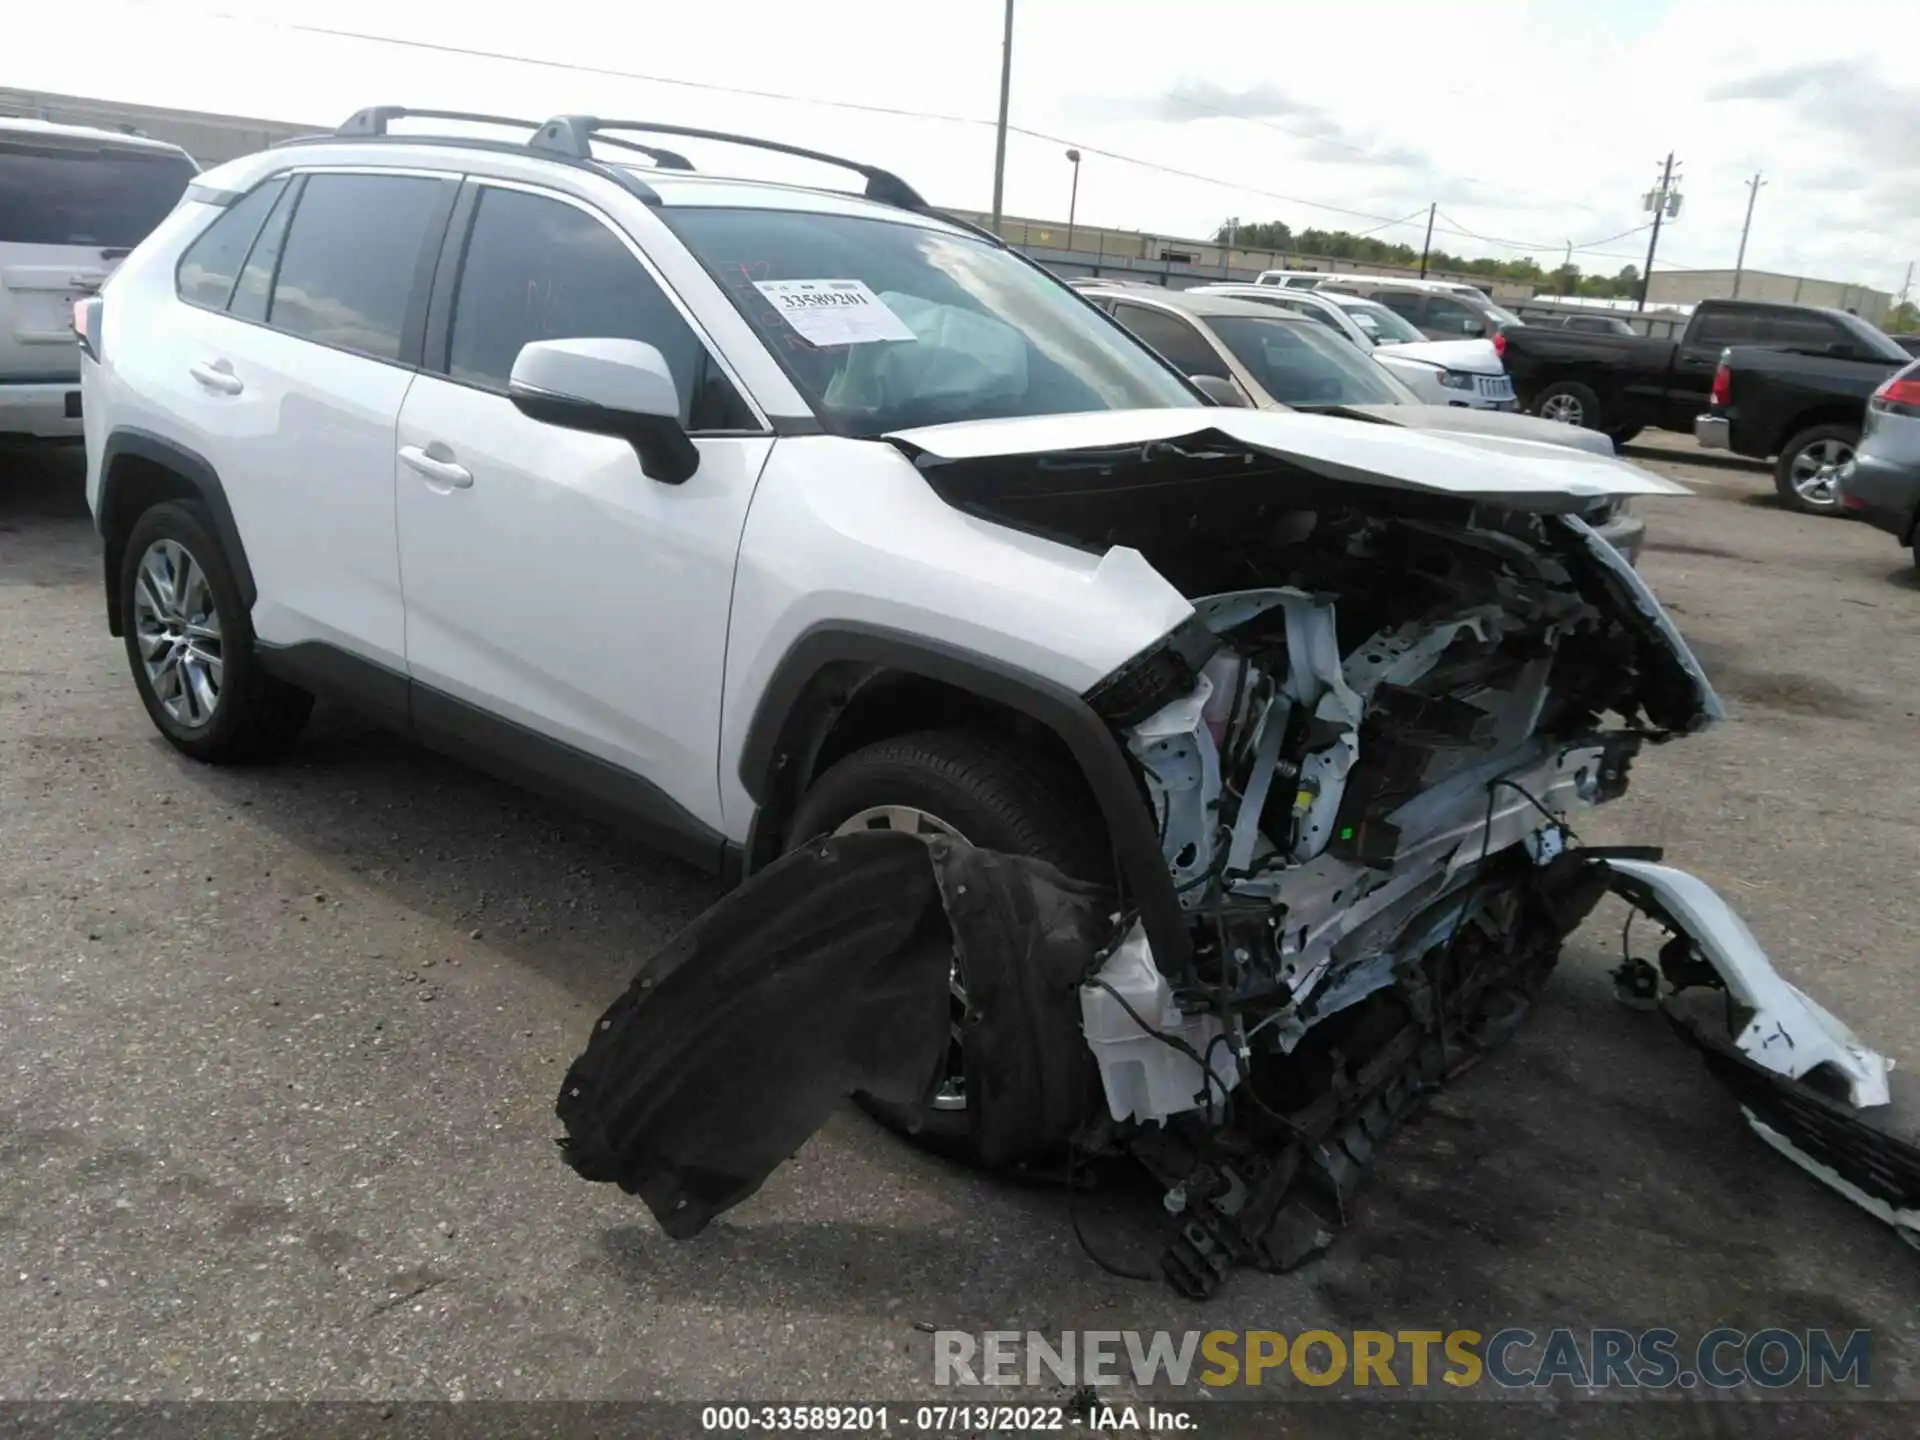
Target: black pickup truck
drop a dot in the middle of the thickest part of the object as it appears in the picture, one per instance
(1625, 384)
(1805, 406)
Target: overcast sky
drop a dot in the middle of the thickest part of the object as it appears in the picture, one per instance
(1532, 124)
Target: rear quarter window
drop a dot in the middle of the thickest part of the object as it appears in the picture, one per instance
(97, 197)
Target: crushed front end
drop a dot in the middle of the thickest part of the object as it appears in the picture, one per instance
(1364, 757)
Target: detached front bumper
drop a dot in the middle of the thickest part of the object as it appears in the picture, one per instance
(1712, 432)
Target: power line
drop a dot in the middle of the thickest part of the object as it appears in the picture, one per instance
(1381, 222)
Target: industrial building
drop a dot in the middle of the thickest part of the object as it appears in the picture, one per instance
(1067, 249)
(1689, 287)
(210, 139)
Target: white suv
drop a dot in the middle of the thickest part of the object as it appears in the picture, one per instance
(748, 513)
(73, 202)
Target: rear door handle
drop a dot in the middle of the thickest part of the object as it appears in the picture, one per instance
(217, 375)
(441, 474)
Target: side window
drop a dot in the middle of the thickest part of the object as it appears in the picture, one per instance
(1803, 331)
(541, 269)
(1173, 337)
(1726, 327)
(1404, 303)
(207, 270)
(256, 276)
(1450, 316)
(347, 271)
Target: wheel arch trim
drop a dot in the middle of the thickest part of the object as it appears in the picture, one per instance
(200, 478)
(798, 706)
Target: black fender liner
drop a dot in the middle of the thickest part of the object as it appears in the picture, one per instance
(198, 477)
(800, 700)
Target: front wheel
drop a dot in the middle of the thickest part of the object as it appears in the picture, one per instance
(190, 643)
(1809, 465)
(979, 788)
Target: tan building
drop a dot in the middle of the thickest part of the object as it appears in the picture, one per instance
(210, 139)
(1686, 287)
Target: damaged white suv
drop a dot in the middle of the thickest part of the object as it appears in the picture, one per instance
(749, 513)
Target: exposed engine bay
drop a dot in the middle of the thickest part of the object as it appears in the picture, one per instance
(1363, 757)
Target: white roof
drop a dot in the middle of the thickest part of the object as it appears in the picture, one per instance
(21, 125)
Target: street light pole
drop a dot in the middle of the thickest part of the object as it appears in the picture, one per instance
(1073, 200)
(1740, 260)
(1000, 131)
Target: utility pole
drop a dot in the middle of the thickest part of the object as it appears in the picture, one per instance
(1073, 199)
(1663, 202)
(1907, 284)
(1000, 132)
(1740, 260)
(1427, 244)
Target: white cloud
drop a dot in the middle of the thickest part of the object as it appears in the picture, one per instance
(1534, 123)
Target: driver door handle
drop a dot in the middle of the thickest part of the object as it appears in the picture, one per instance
(441, 474)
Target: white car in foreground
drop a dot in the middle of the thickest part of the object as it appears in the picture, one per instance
(1461, 373)
(792, 527)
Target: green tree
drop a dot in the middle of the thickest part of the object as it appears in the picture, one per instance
(1903, 318)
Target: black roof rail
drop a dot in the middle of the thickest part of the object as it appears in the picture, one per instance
(572, 136)
(373, 120)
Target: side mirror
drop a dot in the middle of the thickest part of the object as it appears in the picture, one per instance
(1221, 391)
(607, 387)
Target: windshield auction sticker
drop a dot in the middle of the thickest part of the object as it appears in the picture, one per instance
(834, 312)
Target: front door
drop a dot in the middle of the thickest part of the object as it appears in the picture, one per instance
(554, 591)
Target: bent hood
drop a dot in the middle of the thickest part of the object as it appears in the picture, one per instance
(1495, 425)
(1478, 357)
(1108, 450)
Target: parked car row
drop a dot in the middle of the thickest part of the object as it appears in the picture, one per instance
(73, 202)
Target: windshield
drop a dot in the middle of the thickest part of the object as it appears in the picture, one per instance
(888, 326)
(108, 199)
(1303, 366)
(1383, 327)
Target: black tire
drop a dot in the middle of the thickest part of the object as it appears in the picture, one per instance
(255, 715)
(1839, 441)
(996, 794)
(1622, 437)
(1574, 403)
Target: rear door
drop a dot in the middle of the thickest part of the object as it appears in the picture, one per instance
(290, 375)
(70, 210)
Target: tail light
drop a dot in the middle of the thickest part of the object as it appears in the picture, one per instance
(86, 325)
(1900, 395)
(1500, 344)
(1723, 385)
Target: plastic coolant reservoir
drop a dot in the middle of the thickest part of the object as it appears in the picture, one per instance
(1146, 1078)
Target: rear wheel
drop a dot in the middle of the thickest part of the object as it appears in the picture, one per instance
(1809, 465)
(190, 643)
(1569, 403)
(981, 789)
(1621, 437)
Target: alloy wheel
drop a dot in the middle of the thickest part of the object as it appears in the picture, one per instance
(1816, 468)
(910, 820)
(178, 630)
(1565, 409)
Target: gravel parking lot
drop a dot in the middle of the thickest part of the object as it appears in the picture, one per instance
(282, 1044)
